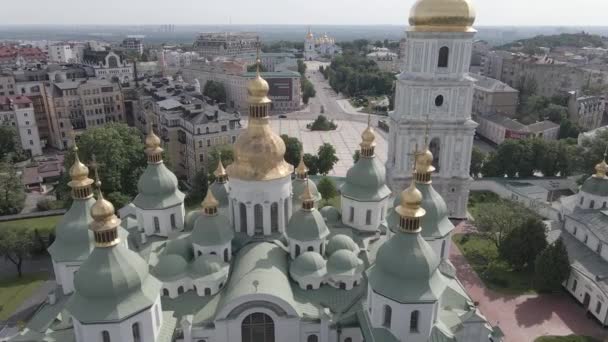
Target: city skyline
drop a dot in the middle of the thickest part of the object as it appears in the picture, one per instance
(392, 12)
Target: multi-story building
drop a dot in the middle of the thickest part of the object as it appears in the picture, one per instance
(271, 61)
(12, 55)
(214, 44)
(189, 125)
(18, 111)
(133, 44)
(7, 84)
(386, 60)
(60, 53)
(109, 65)
(498, 128)
(78, 105)
(491, 96)
(586, 111)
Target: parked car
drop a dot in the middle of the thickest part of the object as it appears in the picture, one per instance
(282, 116)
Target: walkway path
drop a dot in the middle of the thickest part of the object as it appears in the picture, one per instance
(525, 317)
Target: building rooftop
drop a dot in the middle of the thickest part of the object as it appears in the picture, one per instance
(493, 85)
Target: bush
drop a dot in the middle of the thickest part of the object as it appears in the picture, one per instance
(321, 123)
(47, 204)
(494, 273)
(524, 243)
(552, 268)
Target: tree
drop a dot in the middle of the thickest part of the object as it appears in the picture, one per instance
(555, 113)
(120, 154)
(327, 188)
(12, 194)
(301, 67)
(118, 199)
(477, 159)
(308, 89)
(213, 158)
(215, 90)
(15, 245)
(311, 162)
(524, 243)
(491, 166)
(497, 219)
(254, 68)
(356, 156)
(199, 188)
(9, 144)
(293, 148)
(321, 123)
(568, 129)
(552, 268)
(326, 158)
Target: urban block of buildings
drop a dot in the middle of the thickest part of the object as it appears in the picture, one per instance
(214, 44)
(18, 112)
(259, 262)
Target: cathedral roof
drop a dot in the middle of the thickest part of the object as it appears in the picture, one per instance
(170, 267)
(212, 230)
(298, 185)
(442, 16)
(308, 264)
(207, 265)
(73, 238)
(157, 188)
(596, 186)
(435, 223)
(344, 262)
(341, 242)
(330, 214)
(305, 225)
(366, 181)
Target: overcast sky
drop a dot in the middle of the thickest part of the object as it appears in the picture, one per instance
(339, 12)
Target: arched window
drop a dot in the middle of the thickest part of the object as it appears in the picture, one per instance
(592, 204)
(351, 218)
(309, 287)
(180, 290)
(173, 221)
(348, 339)
(582, 200)
(312, 338)
(165, 292)
(439, 101)
(243, 210)
(156, 225)
(435, 148)
(286, 205)
(368, 217)
(574, 284)
(297, 250)
(105, 336)
(226, 255)
(258, 215)
(574, 231)
(274, 217)
(414, 321)
(310, 249)
(604, 205)
(112, 62)
(442, 249)
(136, 335)
(257, 327)
(444, 56)
(207, 291)
(388, 317)
(342, 286)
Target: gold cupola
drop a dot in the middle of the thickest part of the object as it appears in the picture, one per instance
(80, 182)
(309, 34)
(442, 16)
(601, 169)
(410, 209)
(368, 138)
(220, 173)
(424, 161)
(210, 204)
(258, 151)
(307, 198)
(105, 222)
(301, 170)
(153, 150)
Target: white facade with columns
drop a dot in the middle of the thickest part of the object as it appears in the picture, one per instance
(440, 90)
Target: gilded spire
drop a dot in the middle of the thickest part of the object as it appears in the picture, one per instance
(308, 200)
(220, 173)
(105, 222)
(601, 169)
(368, 138)
(301, 170)
(153, 150)
(257, 90)
(209, 204)
(410, 209)
(424, 159)
(79, 174)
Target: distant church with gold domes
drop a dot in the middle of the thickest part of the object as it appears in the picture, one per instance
(259, 261)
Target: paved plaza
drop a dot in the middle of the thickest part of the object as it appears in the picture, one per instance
(345, 139)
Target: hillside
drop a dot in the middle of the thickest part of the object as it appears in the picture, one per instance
(578, 40)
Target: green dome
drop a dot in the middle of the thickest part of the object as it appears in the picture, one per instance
(330, 214)
(206, 265)
(73, 238)
(181, 247)
(406, 269)
(366, 181)
(298, 185)
(596, 186)
(220, 192)
(212, 231)
(344, 261)
(306, 264)
(157, 188)
(112, 284)
(341, 242)
(435, 223)
(190, 219)
(170, 267)
(306, 225)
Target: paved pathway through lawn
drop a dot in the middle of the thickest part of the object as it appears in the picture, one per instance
(525, 317)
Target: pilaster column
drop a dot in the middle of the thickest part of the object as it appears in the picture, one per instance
(266, 215)
(250, 220)
(281, 208)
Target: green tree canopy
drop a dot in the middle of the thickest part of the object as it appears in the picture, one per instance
(356, 156)
(327, 188)
(326, 158)
(353, 74)
(199, 188)
(213, 157)
(477, 159)
(293, 148)
(9, 144)
(496, 220)
(552, 268)
(321, 123)
(524, 243)
(215, 90)
(16, 244)
(312, 163)
(12, 194)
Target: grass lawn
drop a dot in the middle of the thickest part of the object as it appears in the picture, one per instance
(15, 290)
(43, 224)
(570, 338)
(482, 254)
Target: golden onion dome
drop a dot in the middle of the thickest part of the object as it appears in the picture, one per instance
(411, 202)
(152, 140)
(258, 89)
(209, 202)
(424, 161)
(78, 171)
(301, 170)
(220, 171)
(368, 136)
(102, 210)
(601, 169)
(442, 16)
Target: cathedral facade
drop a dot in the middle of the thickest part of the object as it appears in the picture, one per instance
(259, 261)
(319, 47)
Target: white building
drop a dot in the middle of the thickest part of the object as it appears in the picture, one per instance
(320, 47)
(109, 65)
(498, 128)
(60, 53)
(18, 111)
(434, 85)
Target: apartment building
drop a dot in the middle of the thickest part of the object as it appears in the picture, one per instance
(491, 96)
(134, 44)
(587, 111)
(18, 111)
(498, 128)
(60, 53)
(109, 65)
(213, 44)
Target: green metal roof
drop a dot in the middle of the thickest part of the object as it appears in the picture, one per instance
(206, 265)
(330, 214)
(344, 261)
(73, 238)
(170, 267)
(191, 218)
(158, 189)
(435, 223)
(306, 225)
(406, 270)
(596, 186)
(112, 284)
(341, 242)
(220, 192)
(180, 246)
(212, 231)
(308, 263)
(366, 181)
(297, 187)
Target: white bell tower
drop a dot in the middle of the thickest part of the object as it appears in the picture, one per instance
(435, 85)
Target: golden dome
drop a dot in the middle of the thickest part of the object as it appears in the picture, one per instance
(601, 169)
(257, 89)
(259, 154)
(411, 201)
(301, 170)
(210, 202)
(79, 173)
(152, 140)
(442, 16)
(309, 35)
(424, 161)
(102, 209)
(220, 171)
(368, 136)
